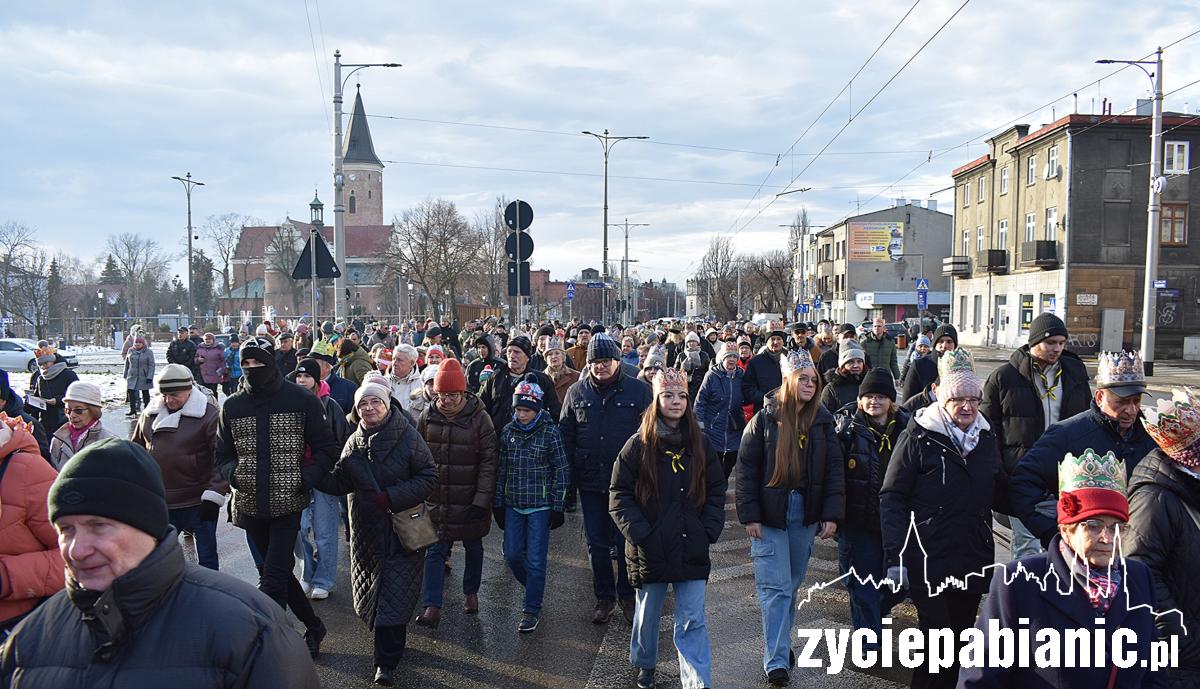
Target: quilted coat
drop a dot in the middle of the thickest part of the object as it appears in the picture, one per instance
(386, 580)
(30, 565)
(210, 360)
(465, 453)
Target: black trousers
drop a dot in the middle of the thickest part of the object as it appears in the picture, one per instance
(948, 610)
(131, 396)
(728, 460)
(276, 541)
(389, 645)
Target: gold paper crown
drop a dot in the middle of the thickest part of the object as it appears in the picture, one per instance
(1090, 470)
(670, 379)
(1119, 368)
(955, 361)
(797, 360)
(1175, 423)
(323, 347)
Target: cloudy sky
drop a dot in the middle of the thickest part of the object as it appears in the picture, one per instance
(107, 100)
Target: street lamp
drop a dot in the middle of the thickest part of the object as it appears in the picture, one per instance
(607, 142)
(1153, 210)
(339, 208)
(410, 299)
(188, 183)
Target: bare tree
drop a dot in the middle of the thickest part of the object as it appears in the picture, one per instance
(770, 280)
(493, 269)
(717, 278)
(436, 247)
(281, 255)
(223, 233)
(143, 264)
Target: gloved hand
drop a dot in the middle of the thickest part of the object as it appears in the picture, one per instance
(557, 519)
(898, 574)
(476, 513)
(498, 514)
(209, 511)
(381, 500)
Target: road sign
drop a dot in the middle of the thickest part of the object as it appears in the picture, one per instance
(521, 241)
(922, 299)
(1160, 284)
(922, 284)
(570, 290)
(326, 267)
(518, 215)
(804, 308)
(817, 303)
(513, 281)
(599, 285)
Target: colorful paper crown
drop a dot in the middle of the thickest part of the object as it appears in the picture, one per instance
(1091, 470)
(1175, 426)
(1115, 369)
(795, 361)
(554, 343)
(670, 380)
(324, 348)
(955, 361)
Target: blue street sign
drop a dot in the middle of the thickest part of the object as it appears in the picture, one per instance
(1160, 284)
(599, 285)
(922, 284)
(817, 303)
(922, 299)
(804, 308)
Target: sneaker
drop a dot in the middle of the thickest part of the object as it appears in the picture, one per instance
(319, 593)
(383, 677)
(628, 606)
(645, 678)
(305, 587)
(529, 622)
(778, 677)
(603, 611)
(313, 637)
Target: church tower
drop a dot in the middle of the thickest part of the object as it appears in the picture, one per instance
(363, 171)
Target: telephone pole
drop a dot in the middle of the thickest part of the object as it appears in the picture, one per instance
(188, 184)
(607, 142)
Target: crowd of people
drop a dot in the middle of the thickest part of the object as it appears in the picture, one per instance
(418, 438)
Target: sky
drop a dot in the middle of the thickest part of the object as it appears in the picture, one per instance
(108, 100)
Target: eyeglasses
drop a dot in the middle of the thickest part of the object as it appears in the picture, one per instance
(76, 411)
(1096, 528)
(965, 401)
(449, 396)
(371, 403)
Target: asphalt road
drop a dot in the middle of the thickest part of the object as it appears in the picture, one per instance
(567, 651)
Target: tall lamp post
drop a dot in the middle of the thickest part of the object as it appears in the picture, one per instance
(1153, 210)
(339, 207)
(607, 142)
(188, 184)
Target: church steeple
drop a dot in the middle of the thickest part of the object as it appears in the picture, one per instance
(358, 147)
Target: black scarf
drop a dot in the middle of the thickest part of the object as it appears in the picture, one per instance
(262, 380)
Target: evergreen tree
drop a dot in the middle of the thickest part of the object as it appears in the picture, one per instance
(54, 297)
(203, 270)
(111, 275)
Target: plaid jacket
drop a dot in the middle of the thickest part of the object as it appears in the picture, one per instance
(533, 470)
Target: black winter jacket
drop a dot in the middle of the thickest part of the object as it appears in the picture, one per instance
(1035, 479)
(497, 393)
(596, 425)
(54, 415)
(165, 623)
(824, 489)
(183, 352)
(920, 375)
(867, 456)
(950, 499)
(840, 390)
(1164, 533)
(667, 540)
(762, 376)
(1013, 406)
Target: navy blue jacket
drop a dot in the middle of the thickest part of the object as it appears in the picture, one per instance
(719, 408)
(762, 376)
(1013, 596)
(1035, 478)
(596, 425)
(341, 390)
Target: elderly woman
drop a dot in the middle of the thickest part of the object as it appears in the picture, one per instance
(941, 482)
(139, 376)
(385, 467)
(1081, 578)
(83, 427)
(49, 383)
(210, 360)
(562, 375)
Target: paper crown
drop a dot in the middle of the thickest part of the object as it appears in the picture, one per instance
(727, 349)
(797, 360)
(1175, 426)
(44, 351)
(955, 361)
(554, 343)
(1091, 470)
(1114, 369)
(671, 379)
(324, 348)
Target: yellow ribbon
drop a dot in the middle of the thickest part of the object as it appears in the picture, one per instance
(676, 460)
(1049, 394)
(802, 439)
(885, 440)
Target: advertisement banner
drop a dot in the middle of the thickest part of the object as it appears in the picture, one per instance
(875, 241)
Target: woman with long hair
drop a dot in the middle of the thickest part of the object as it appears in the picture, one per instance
(790, 489)
(668, 500)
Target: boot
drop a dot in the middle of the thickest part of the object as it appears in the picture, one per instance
(131, 398)
(430, 617)
(471, 604)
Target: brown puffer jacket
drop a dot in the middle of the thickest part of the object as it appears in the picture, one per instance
(465, 453)
(186, 451)
(563, 379)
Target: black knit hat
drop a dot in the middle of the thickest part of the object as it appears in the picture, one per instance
(522, 343)
(1046, 326)
(878, 381)
(309, 367)
(545, 330)
(945, 330)
(115, 479)
(258, 348)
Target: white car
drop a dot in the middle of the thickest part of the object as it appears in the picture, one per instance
(17, 355)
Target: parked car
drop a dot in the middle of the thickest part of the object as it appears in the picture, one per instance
(18, 355)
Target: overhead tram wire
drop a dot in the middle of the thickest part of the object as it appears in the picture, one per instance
(327, 116)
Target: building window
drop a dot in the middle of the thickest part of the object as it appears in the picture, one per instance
(1047, 303)
(1031, 170)
(981, 187)
(1030, 226)
(352, 203)
(979, 238)
(962, 312)
(966, 194)
(978, 313)
(1175, 158)
(966, 242)
(1004, 180)
(1026, 311)
(1052, 162)
(1173, 224)
(1052, 224)
(1002, 235)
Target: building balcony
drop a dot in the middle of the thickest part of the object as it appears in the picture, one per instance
(956, 266)
(1040, 253)
(992, 260)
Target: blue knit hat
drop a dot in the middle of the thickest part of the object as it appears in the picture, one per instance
(602, 346)
(528, 393)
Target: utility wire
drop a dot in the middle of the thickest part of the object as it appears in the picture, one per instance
(317, 65)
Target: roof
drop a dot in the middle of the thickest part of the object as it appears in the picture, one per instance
(987, 158)
(362, 241)
(1169, 121)
(358, 147)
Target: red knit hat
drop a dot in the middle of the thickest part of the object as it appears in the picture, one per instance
(1091, 485)
(450, 377)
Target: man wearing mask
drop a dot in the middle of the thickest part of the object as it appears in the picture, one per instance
(763, 373)
(496, 394)
(600, 413)
(1110, 424)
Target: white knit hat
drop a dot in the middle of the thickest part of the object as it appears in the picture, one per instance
(373, 389)
(84, 393)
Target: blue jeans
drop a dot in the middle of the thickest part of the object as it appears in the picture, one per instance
(526, 542)
(1023, 541)
(862, 549)
(187, 520)
(435, 570)
(317, 542)
(691, 631)
(780, 563)
(602, 536)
